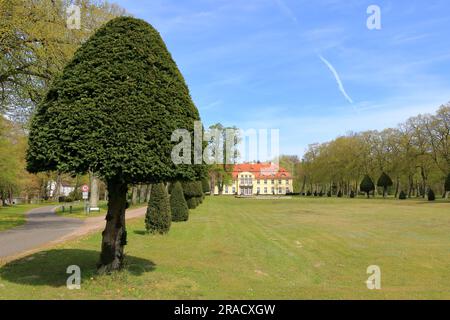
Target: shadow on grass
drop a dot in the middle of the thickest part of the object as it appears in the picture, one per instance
(140, 232)
(48, 268)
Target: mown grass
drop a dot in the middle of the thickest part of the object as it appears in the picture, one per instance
(78, 210)
(260, 249)
(14, 216)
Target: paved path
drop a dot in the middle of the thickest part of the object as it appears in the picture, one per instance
(43, 227)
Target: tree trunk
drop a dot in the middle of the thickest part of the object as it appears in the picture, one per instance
(397, 187)
(149, 191)
(134, 192)
(142, 193)
(114, 235)
(94, 198)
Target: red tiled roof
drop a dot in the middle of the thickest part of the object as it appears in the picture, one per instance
(262, 170)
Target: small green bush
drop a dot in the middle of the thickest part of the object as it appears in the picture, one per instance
(178, 205)
(431, 195)
(402, 195)
(158, 217)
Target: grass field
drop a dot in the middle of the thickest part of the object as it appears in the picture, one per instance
(260, 249)
(78, 210)
(14, 216)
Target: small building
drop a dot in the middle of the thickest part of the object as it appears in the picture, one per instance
(258, 179)
(64, 189)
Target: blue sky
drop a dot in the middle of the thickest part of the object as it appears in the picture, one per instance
(263, 63)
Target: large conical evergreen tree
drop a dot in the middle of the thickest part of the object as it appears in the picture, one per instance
(158, 217)
(367, 185)
(113, 111)
(178, 205)
(385, 182)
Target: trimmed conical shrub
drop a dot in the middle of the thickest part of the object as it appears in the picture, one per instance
(339, 195)
(385, 182)
(205, 186)
(158, 217)
(329, 194)
(367, 185)
(191, 203)
(352, 194)
(402, 195)
(431, 195)
(193, 191)
(178, 205)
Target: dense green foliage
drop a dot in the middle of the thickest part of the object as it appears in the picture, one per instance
(205, 185)
(367, 185)
(385, 182)
(193, 192)
(158, 217)
(178, 205)
(114, 109)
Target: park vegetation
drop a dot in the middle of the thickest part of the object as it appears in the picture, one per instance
(105, 114)
(414, 158)
(158, 217)
(178, 205)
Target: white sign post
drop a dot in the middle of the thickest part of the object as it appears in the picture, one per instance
(85, 190)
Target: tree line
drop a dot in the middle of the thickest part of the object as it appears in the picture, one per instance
(412, 158)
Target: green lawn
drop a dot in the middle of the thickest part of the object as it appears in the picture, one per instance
(78, 210)
(260, 249)
(14, 216)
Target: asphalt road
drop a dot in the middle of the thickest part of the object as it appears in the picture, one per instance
(42, 226)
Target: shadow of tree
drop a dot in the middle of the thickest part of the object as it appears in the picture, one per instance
(48, 268)
(140, 232)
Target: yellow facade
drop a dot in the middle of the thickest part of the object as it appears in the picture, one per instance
(246, 184)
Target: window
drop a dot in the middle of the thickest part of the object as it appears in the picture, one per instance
(273, 190)
(287, 181)
(226, 189)
(273, 181)
(280, 190)
(265, 189)
(258, 190)
(265, 181)
(258, 181)
(234, 190)
(280, 182)
(287, 190)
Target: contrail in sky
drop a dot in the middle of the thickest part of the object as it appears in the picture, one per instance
(286, 10)
(338, 79)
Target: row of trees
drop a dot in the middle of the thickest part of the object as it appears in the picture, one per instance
(164, 208)
(414, 157)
